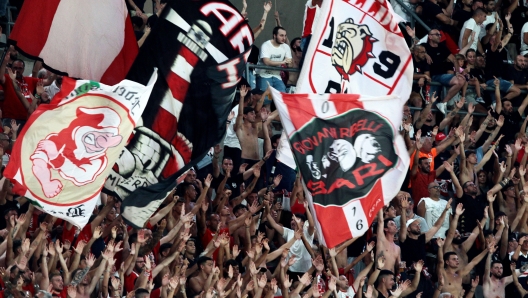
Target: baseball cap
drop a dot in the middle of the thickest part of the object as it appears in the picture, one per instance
(410, 221)
(440, 137)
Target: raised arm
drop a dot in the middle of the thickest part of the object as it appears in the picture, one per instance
(458, 188)
(453, 225)
(439, 222)
(239, 120)
(426, 110)
(487, 264)
(474, 262)
(515, 280)
(404, 204)
(498, 101)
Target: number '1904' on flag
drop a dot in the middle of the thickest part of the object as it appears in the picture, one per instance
(350, 154)
(67, 147)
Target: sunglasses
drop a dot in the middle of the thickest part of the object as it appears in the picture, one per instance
(435, 187)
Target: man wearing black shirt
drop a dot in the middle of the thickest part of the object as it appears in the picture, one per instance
(421, 67)
(512, 119)
(474, 206)
(466, 12)
(495, 57)
(517, 74)
(434, 16)
(439, 53)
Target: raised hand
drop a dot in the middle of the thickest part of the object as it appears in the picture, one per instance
(90, 260)
(440, 242)
(292, 260)
(381, 261)
(448, 167)
(267, 6)
(243, 91)
(276, 180)
(141, 236)
(97, 232)
(448, 205)
(475, 282)
(368, 293)
(288, 282)
(305, 279)
(500, 123)
(250, 286)
(418, 266)
(459, 209)
(262, 281)
(332, 283)
(58, 246)
(208, 180)
(12, 74)
(72, 291)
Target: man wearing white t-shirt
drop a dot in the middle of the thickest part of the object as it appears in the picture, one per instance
(274, 52)
(472, 27)
(302, 256)
(491, 17)
(524, 39)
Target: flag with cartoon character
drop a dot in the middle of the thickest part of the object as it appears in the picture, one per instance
(357, 47)
(350, 154)
(67, 148)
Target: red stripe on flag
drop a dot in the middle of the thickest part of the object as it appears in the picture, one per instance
(118, 69)
(300, 109)
(178, 86)
(334, 224)
(191, 57)
(185, 153)
(33, 25)
(165, 124)
(373, 202)
(346, 102)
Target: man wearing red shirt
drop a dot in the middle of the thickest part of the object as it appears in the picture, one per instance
(12, 107)
(422, 174)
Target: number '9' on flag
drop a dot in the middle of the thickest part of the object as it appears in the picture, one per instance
(350, 154)
(357, 47)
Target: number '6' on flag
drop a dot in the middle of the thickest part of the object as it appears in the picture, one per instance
(351, 156)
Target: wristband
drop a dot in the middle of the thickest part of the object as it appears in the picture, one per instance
(228, 121)
(37, 96)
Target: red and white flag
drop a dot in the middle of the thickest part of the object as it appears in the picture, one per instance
(91, 40)
(346, 145)
(358, 48)
(67, 147)
(350, 154)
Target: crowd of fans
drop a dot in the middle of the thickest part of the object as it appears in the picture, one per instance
(239, 224)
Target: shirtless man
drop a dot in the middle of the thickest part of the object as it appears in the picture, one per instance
(450, 268)
(201, 281)
(385, 244)
(454, 241)
(85, 282)
(494, 285)
(508, 205)
(247, 128)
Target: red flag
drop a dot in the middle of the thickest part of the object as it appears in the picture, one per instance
(350, 154)
(92, 40)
